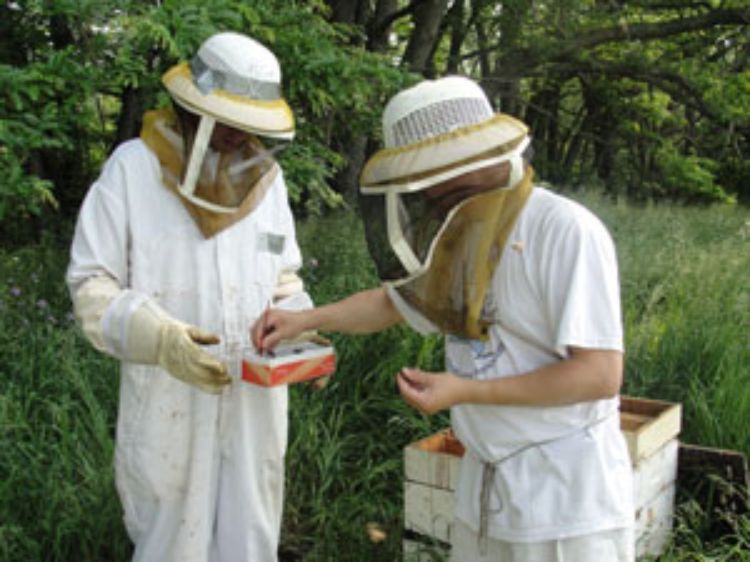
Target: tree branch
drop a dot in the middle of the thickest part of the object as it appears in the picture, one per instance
(670, 82)
(520, 62)
(388, 19)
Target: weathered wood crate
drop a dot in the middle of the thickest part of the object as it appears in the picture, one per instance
(650, 427)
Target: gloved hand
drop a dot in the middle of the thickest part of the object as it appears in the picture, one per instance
(128, 325)
(180, 354)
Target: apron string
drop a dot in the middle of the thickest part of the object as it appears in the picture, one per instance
(489, 470)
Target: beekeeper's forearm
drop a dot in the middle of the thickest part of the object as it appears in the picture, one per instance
(584, 376)
(361, 313)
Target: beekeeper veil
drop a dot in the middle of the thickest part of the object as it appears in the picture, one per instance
(235, 81)
(440, 199)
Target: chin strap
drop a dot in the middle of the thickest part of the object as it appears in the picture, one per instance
(197, 155)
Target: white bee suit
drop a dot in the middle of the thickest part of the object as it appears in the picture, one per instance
(200, 476)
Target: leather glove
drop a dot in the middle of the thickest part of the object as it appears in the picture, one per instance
(130, 326)
(180, 354)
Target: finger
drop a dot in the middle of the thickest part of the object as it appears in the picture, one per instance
(271, 338)
(211, 384)
(405, 385)
(401, 382)
(413, 377)
(213, 371)
(321, 382)
(261, 327)
(264, 326)
(214, 380)
(407, 393)
(256, 333)
(203, 338)
(407, 389)
(211, 378)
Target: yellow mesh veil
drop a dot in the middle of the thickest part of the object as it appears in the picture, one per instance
(451, 293)
(244, 190)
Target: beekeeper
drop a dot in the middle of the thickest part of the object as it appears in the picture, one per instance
(181, 243)
(524, 284)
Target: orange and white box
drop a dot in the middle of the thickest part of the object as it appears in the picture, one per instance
(289, 363)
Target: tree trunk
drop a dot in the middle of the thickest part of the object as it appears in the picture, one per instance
(428, 15)
(455, 19)
(542, 117)
(379, 28)
(574, 145)
(485, 67)
(505, 85)
(129, 120)
(353, 146)
(351, 12)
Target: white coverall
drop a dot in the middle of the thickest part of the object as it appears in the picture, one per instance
(200, 476)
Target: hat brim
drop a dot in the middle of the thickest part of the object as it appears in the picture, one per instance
(443, 157)
(269, 118)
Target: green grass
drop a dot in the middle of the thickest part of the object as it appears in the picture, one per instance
(686, 297)
(686, 303)
(57, 404)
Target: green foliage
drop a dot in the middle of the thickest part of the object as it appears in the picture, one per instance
(307, 169)
(61, 102)
(686, 303)
(47, 81)
(655, 116)
(689, 544)
(688, 177)
(335, 90)
(666, 116)
(58, 399)
(33, 119)
(736, 171)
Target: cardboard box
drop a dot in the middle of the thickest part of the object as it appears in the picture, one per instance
(650, 428)
(290, 363)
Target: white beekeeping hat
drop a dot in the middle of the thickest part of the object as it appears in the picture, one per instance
(440, 129)
(441, 196)
(235, 80)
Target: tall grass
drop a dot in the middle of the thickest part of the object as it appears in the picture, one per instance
(347, 439)
(57, 404)
(686, 299)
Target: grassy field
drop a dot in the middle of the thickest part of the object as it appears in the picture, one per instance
(686, 297)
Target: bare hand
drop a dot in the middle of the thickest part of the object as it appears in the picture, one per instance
(275, 325)
(430, 392)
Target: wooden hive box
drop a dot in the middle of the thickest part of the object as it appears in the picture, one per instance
(650, 427)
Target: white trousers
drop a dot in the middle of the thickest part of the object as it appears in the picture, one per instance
(608, 546)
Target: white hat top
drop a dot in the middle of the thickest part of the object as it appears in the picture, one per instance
(434, 107)
(237, 81)
(438, 130)
(240, 55)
